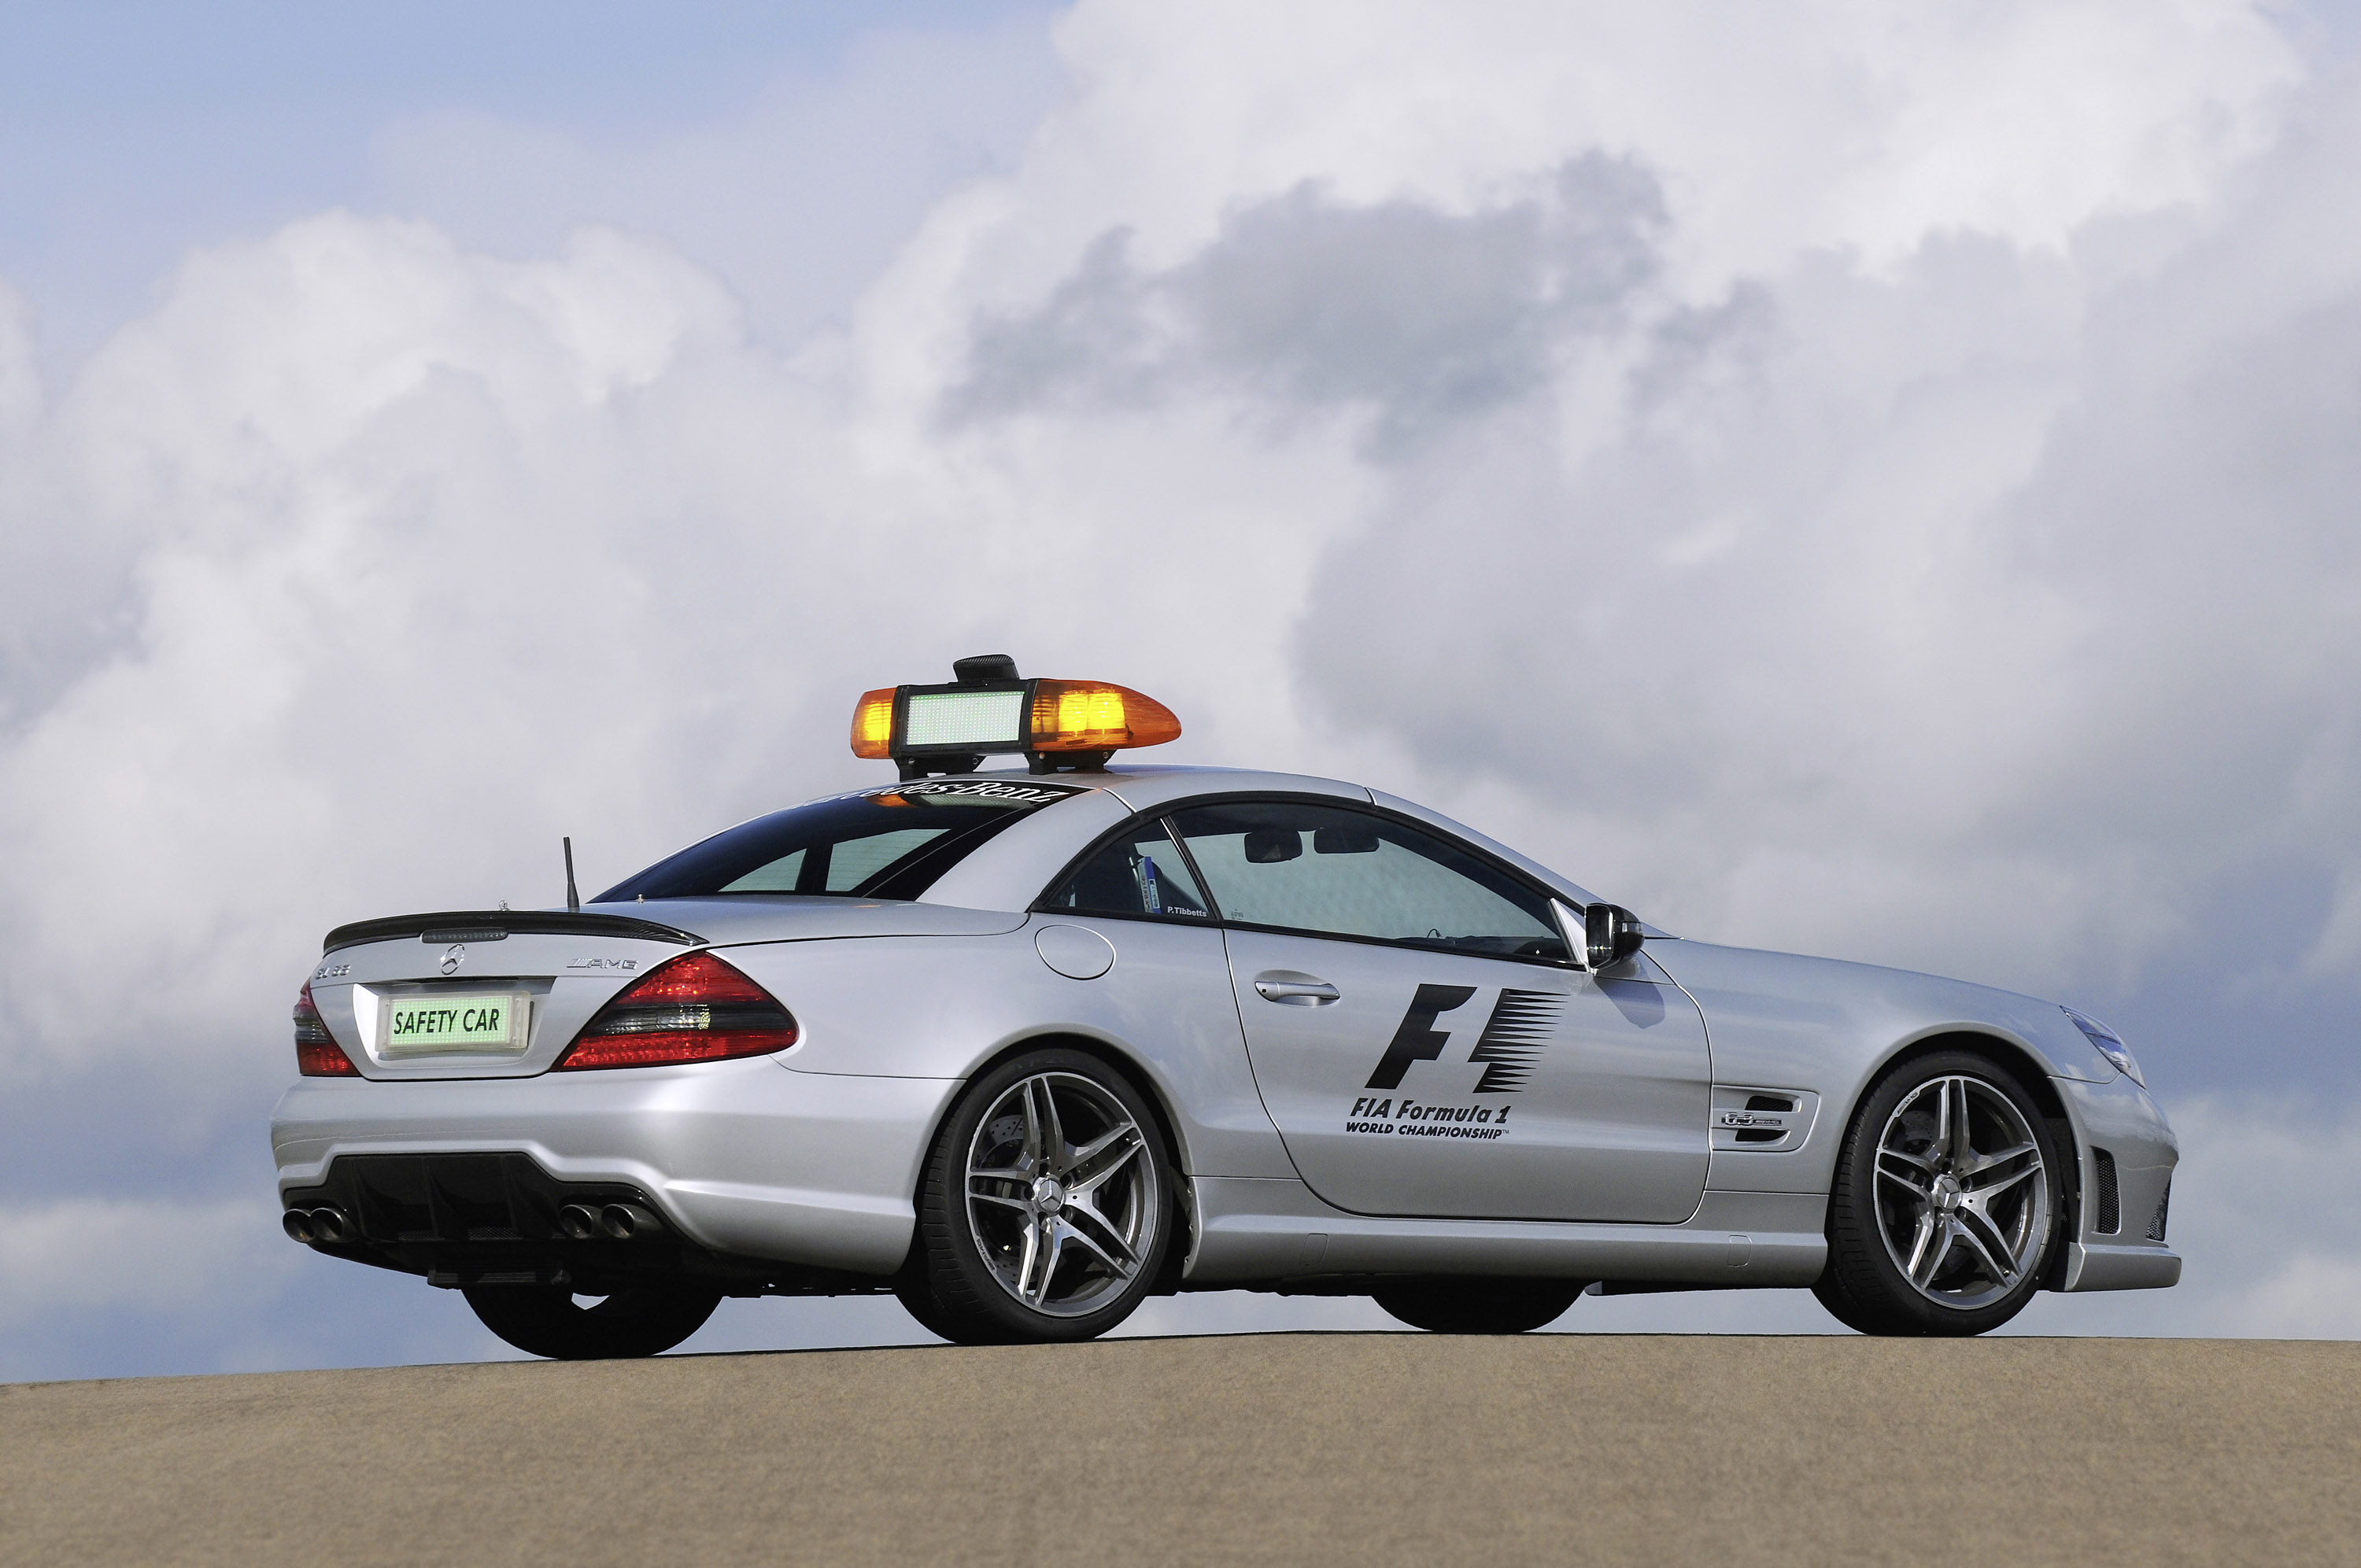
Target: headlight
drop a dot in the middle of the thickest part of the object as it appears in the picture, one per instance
(2111, 1046)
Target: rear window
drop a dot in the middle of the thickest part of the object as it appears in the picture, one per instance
(890, 842)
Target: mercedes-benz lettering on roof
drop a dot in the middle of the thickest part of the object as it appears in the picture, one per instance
(1022, 1047)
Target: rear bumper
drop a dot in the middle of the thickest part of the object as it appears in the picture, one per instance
(746, 1160)
(499, 1219)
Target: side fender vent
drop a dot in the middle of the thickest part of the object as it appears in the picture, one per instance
(2111, 1205)
(1761, 1120)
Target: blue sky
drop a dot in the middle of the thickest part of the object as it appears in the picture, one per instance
(131, 133)
(1902, 463)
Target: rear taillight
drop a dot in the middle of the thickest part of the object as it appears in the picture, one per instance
(317, 1055)
(696, 1008)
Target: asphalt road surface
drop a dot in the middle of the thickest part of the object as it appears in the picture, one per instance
(1313, 1448)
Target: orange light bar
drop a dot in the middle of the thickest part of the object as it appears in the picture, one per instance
(873, 724)
(1097, 716)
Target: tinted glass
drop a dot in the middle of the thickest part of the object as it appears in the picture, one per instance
(1332, 871)
(1140, 873)
(889, 842)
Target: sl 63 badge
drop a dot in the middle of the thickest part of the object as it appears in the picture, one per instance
(1748, 1119)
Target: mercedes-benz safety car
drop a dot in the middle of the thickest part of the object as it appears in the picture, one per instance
(1025, 1047)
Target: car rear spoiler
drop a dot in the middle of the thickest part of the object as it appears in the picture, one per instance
(496, 924)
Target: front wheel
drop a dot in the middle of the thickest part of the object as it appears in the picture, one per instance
(639, 1320)
(1046, 1208)
(1478, 1306)
(1946, 1206)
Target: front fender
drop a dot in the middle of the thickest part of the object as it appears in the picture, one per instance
(1783, 1021)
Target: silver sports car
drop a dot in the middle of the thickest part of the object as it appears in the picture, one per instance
(1024, 1046)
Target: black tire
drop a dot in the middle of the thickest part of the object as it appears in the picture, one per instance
(639, 1319)
(1479, 1305)
(1980, 1276)
(972, 1235)
(917, 1298)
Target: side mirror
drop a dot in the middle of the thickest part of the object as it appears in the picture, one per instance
(1610, 934)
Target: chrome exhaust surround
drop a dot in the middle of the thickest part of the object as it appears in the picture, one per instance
(628, 1222)
(313, 1225)
(579, 1222)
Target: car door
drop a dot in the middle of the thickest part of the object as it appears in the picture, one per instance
(1421, 1038)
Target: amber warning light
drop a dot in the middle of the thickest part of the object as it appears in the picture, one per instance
(989, 708)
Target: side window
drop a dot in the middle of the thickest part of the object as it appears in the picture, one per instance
(1335, 871)
(1139, 873)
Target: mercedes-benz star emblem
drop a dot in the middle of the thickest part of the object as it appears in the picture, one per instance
(454, 955)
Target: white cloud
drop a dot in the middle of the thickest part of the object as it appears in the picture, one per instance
(1871, 481)
(441, 555)
(1828, 547)
(798, 198)
(145, 1256)
(1841, 125)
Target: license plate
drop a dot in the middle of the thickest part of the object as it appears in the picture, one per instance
(452, 1026)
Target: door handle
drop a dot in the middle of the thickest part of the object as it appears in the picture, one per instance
(1292, 988)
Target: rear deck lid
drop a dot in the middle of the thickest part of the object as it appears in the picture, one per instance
(500, 993)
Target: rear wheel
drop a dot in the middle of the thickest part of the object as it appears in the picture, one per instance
(918, 1296)
(639, 1319)
(1478, 1306)
(1046, 1208)
(1945, 1211)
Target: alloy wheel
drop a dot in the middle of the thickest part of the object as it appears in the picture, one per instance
(1962, 1200)
(1061, 1194)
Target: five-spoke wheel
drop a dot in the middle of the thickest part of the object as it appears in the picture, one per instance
(1961, 1202)
(1046, 1209)
(1945, 1208)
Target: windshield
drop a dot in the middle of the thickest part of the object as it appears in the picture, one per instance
(891, 842)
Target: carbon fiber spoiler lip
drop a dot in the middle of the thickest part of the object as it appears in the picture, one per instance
(495, 924)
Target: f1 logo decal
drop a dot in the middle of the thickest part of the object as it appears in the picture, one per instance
(1418, 1040)
(1521, 1027)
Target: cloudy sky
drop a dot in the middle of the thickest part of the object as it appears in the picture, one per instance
(1870, 480)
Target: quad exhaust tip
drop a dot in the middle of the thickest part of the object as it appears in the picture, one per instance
(626, 1221)
(579, 1222)
(616, 1221)
(309, 1225)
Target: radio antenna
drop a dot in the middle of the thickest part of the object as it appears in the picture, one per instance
(573, 899)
